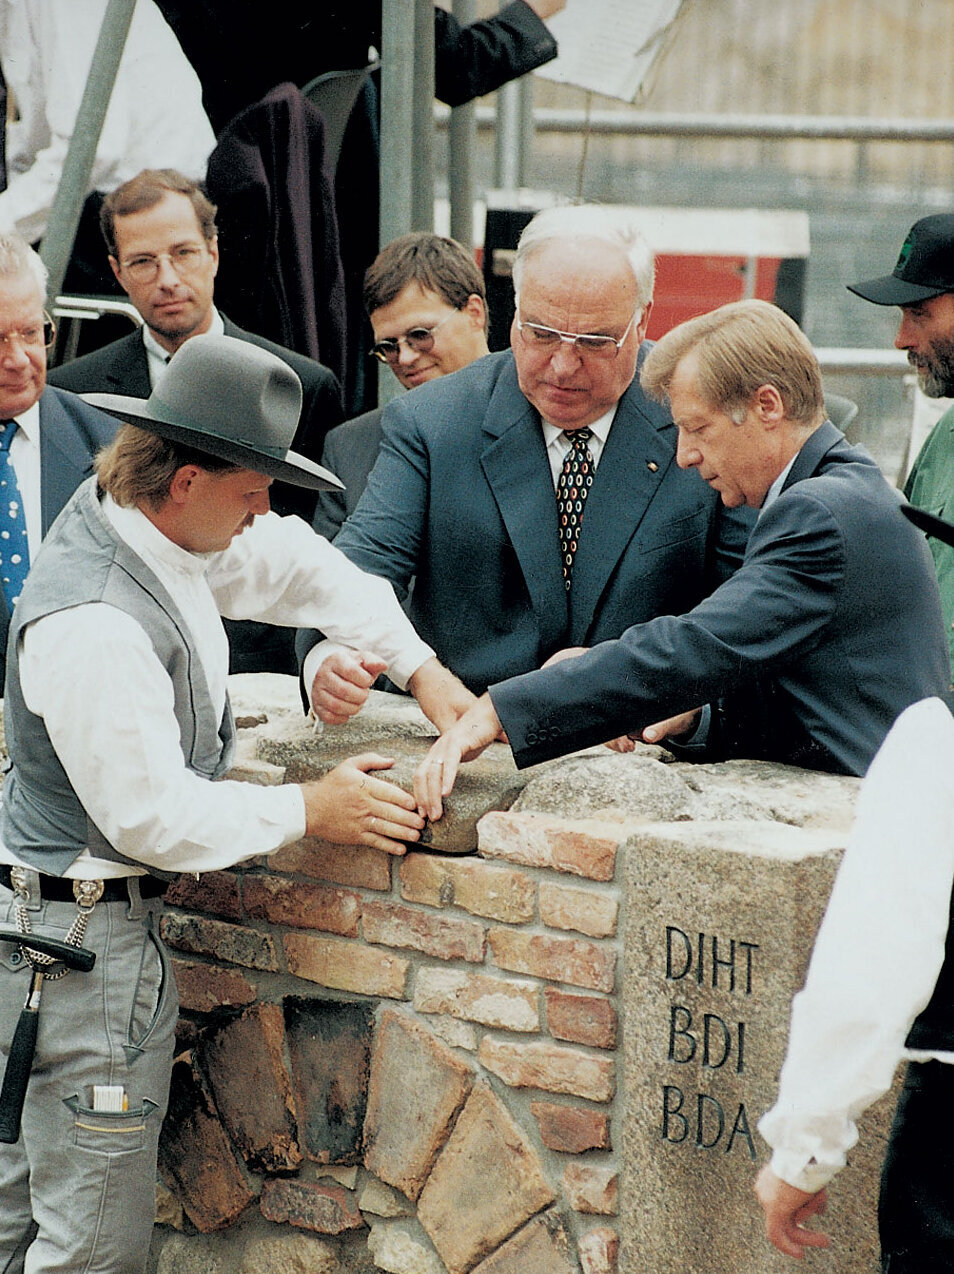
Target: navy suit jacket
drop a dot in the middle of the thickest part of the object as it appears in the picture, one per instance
(121, 368)
(832, 625)
(462, 499)
(71, 433)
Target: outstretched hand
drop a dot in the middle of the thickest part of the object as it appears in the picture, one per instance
(465, 740)
(786, 1211)
(342, 683)
(350, 806)
(670, 728)
(442, 697)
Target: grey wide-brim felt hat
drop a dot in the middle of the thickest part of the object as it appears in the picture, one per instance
(232, 400)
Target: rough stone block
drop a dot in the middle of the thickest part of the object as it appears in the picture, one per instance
(585, 910)
(397, 1250)
(572, 960)
(383, 1201)
(599, 1251)
(417, 1087)
(290, 1254)
(550, 1067)
(541, 1247)
(464, 1219)
(453, 1033)
(233, 943)
(205, 987)
(512, 1006)
(581, 847)
(443, 937)
(329, 1045)
(214, 892)
(301, 904)
(720, 919)
(244, 1062)
(592, 1188)
(189, 1254)
(309, 1206)
(483, 889)
(354, 865)
(581, 1019)
(196, 1158)
(346, 966)
(572, 1130)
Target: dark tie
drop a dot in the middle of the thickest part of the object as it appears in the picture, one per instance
(14, 547)
(576, 478)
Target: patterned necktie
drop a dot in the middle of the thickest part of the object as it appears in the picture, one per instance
(576, 478)
(14, 548)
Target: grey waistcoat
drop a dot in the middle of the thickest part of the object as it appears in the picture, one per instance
(83, 560)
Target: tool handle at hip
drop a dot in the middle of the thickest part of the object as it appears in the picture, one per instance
(73, 957)
(17, 1076)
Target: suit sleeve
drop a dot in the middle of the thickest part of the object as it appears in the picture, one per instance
(476, 59)
(330, 508)
(776, 608)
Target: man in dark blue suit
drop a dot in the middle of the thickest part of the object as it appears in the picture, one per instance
(831, 627)
(55, 436)
(464, 496)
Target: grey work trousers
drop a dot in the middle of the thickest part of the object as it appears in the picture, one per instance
(84, 1180)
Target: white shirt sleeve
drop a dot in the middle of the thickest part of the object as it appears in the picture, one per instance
(279, 571)
(878, 951)
(109, 713)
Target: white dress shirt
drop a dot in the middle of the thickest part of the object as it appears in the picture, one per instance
(559, 443)
(877, 955)
(155, 117)
(108, 706)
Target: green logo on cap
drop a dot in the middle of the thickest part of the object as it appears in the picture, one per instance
(903, 258)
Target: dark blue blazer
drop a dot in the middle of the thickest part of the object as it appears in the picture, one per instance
(462, 499)
(71, 433)
(831, 627)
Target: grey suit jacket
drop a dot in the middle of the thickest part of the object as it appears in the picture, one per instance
(828, 631)
(71, 433)
(462, 499)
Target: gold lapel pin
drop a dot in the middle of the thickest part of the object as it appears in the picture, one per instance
(652, 466)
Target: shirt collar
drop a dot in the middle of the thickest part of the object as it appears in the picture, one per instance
(600, 427)
(216, 328)
(29, 423)
(775, 490)
(145, 538)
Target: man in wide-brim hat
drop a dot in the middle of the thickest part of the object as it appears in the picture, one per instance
(117, 718)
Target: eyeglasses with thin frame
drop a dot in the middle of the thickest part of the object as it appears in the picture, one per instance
(185, 259)
(34, 336)
(548, 338)
(419, 339)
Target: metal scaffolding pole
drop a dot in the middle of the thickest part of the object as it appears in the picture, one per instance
(422, 150)
(461, 144)
(57, 245)
(397, 118)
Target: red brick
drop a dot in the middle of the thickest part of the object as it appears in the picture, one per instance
(543, 1246)
(570, 960)
(215, 892)
(354, 865)
(581, 847)
(301, 904)
(445, 938)
(233, 943)
(550, 1067)
(581, 1019)
(476, 997)
(586, 910)
(599, 1251)
(572, 1129)
(346, 966)
(498, 893)
(205, 987)
(329, 1045)
(592, 1189)
(322, 1208)
(245, 1064)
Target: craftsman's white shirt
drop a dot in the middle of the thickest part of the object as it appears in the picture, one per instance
(878, 952)
(155, 117)
(91, 673)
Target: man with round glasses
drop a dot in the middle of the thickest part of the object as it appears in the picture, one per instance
(534, 496)
(426, 300)
(162, 242)
(48, 438)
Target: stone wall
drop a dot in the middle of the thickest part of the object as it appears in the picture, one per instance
(539, 1043)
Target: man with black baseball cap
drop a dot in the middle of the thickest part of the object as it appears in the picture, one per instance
(922, 284)
(117, 721)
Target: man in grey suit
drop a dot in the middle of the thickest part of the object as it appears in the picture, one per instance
(831, 627)
(476, 474)
(160, 233)
(54, 436)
